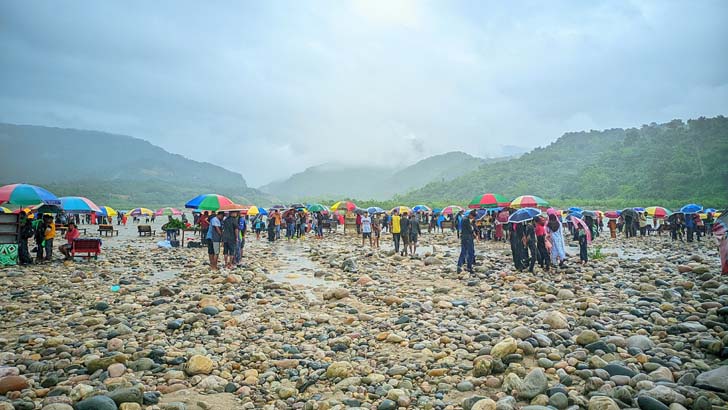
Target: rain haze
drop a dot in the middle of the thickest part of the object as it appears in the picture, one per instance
(269, 88)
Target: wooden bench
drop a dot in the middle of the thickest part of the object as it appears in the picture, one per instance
(108, 230)
(89, 247)
(62, 230)
(146, 230)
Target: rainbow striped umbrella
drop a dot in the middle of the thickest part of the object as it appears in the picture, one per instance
(24, 195)
(452, 209)
(167, 211)
(658, 212)
(401, 209)
(344, 206)
(141, 211)
(488, 201)
(208, 202)
(529, 201)
(79, 204)
(107, 211)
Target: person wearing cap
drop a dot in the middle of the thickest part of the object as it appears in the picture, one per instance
(467, 243)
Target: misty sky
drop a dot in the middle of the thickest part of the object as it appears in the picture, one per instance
(268, 88)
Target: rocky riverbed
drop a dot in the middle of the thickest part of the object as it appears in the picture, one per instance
(329, 324)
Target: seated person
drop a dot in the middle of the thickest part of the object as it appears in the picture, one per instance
(71, 235)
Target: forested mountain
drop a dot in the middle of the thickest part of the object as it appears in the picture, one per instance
(670, 163)
(334, 180)
(110, 169)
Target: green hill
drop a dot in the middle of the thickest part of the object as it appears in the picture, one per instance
(339, 181)
(115, 170)
(668, 164)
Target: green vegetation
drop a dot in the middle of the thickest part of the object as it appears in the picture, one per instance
(669, 164)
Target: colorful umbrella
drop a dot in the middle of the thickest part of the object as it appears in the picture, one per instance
(108, 211)
(343, 205)
(709, 210)
(611, 214)
(78, 204)
(488, 201)
(452, 209)
(576, 221)
(691, 209)
(524, 214)
(401, 209)
(639, 209)
(4, 210)
(24, 194)
(375, 210)
(529, 201)
(421, 208)
(208, 202)
(591, 214)
(658, 212)
(254, 210)
(277, 207)
(317, 208)
(141, 211)
(167, 212)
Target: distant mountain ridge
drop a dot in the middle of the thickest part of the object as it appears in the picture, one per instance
(664, 164)
(342, 181)
(111, 169)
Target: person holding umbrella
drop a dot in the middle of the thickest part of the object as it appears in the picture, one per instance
(467, 244)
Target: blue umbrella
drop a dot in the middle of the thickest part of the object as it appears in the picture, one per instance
(481, 213)
(524, 214)
(691, 209)
(639, 209)
(437, 210)
(375, 210)
(709, 210)
(423, 208)
(575, 209)
(576, 214)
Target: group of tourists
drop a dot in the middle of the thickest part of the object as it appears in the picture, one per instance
(42, 230)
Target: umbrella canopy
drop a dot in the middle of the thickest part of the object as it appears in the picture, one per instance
(4, 210)
(297, 206)
(208, 202)
(524, 214)
(529, 201)
(709, 210)
(167, 211)
(691, 209)
(578, 222)
(317, 208)
(451, 209)
(720, 226)
(591, 214)
(437, 211)
(255, 210)
(575, 214)
(611, 214)
(141, 211)
(639, 209)
(343, 206)
(421, 208)
(278, 207)
(24, 194)
(401, 209)
(108, 211)
(488, 201)
(629, 212)
(375, 210)
(575, 209)
(658, 212)
(78, 204)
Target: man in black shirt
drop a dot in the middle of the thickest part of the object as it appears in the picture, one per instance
(404, 226)
(230, 232)
(467, 243)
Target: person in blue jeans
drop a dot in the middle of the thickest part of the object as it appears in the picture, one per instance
(467, 243)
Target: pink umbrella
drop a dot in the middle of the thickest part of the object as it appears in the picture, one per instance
(576, 221)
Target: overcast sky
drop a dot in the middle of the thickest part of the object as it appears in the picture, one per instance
(298, 83)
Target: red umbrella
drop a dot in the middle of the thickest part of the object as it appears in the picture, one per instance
(577, 221)
(488, 201)
(611, 214)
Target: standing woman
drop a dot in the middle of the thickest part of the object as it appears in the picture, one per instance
(544, 259)
(555, 232)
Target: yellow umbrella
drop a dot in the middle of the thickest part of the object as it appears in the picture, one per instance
(5, 210)
(401, 209)
(141, 211)
(109, 211)
(343, 206)
(254, 210)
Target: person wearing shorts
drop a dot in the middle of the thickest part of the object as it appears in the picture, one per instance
(404, 224)
(230, 234)
(366, 229)
(214, 237)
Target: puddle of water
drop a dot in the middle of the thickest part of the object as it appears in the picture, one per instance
(163, 275)
(298, 271)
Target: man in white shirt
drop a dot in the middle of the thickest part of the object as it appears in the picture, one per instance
(366, 229)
